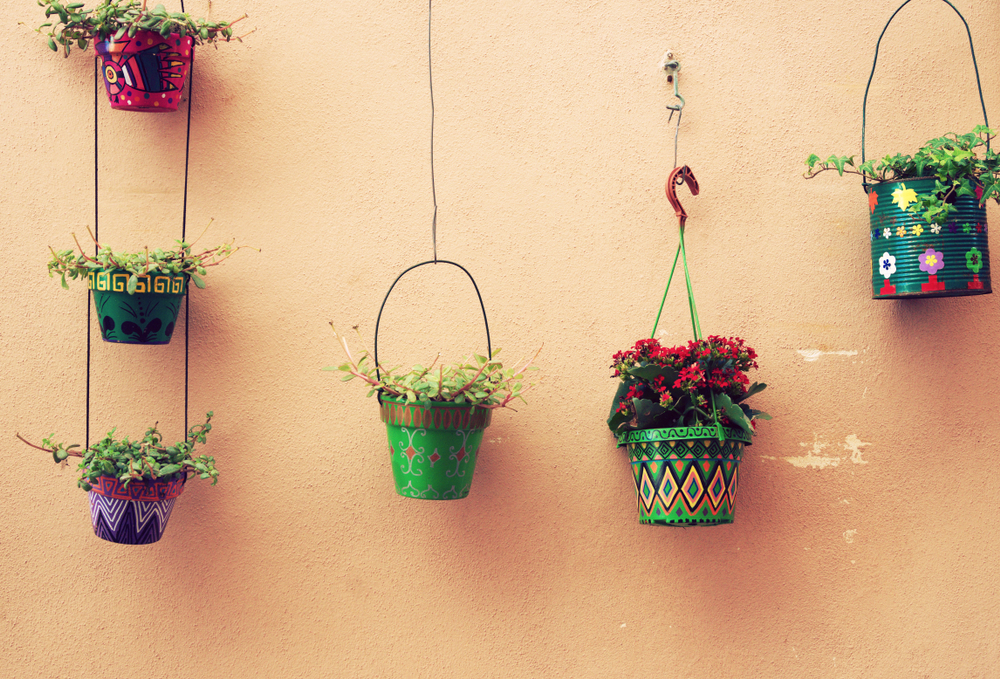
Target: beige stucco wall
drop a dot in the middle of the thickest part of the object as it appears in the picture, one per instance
(866, 537)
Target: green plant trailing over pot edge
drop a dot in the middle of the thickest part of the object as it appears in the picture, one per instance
(435, 416)
(179, 261)
(477, 380)
(146, 459)
(685, 386)
(70, 24)
(962, 165)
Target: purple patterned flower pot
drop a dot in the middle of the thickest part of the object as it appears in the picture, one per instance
(132, 515)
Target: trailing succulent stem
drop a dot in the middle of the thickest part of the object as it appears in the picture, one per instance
(143, 460)
(475, 380)
(70, 24)
(175, 262)
(963, 165)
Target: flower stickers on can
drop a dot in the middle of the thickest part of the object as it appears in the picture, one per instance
(931, 261)
(887, 267)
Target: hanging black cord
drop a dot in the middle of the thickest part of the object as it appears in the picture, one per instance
(187, 300)
(187, 297)
(430, 80)
(184, 213)
(482, 307)
(975, 65)
(90, 293)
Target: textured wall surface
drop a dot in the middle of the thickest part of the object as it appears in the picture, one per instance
(866, 534)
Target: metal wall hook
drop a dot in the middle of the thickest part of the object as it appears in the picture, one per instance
(672, 68)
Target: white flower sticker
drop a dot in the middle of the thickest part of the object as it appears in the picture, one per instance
(935, 228)
(886, 265)
(886, 232)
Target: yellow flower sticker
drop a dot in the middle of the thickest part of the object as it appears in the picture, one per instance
(903, 197)
(917, 229)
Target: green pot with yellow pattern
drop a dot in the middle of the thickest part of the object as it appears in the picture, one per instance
(433, 446)
(685, 476)
(913, 258)
(147, 316)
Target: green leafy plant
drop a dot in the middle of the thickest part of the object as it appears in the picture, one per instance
(146, 459)
(685, 386)
(962, 165)
(69, 24)
(177, 261)
(475, 380)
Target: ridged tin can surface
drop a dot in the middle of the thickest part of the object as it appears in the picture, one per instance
(913, 258)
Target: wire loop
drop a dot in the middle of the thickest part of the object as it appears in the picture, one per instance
(975, 65)
(378, 321)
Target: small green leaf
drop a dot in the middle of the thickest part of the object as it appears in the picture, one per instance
(647, 412)
(198, 282)
(755, 388)
(733, 412)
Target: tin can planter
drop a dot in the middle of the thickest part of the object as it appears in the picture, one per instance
(433, 446)
(136, 514)
(146, 72)
(912, 258)
(685, 476)
(148, 316)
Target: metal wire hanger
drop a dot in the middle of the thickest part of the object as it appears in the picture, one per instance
(98, 78)
(435, 260)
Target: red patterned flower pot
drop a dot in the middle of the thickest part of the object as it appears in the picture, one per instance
(136, 514)
(147, 72)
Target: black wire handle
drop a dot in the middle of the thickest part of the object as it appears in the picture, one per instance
(864, 106)
(489, 347)
(98, 79)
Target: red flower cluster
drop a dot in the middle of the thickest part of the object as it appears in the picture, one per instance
(713, 365)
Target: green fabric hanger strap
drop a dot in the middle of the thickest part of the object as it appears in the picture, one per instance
(678, 177)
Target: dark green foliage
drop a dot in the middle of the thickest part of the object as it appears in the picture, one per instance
(143, 459)
(961, 164)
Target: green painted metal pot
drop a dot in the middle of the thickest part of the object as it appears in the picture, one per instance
(148, 316)
(685, 476)
(912, 258)
(433, 446)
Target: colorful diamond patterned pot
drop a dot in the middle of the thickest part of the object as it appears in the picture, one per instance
(433, 446)
(136, 514)
(685, 476)
(912, 258)
(146, 72)
(147, 317)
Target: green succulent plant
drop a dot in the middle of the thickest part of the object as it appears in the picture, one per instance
(78, 264)
(71, 24)
(146, 459)
(476, 380)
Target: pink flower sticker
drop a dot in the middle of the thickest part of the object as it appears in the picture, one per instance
(931, 261)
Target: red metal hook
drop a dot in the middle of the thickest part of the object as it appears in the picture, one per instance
(679, 176)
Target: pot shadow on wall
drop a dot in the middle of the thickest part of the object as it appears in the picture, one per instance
(934, 355)
(498, 534)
